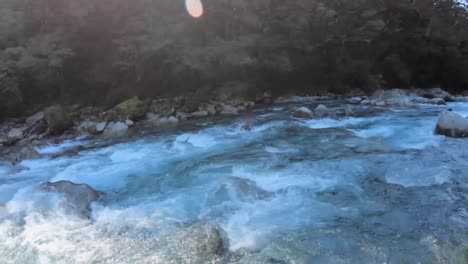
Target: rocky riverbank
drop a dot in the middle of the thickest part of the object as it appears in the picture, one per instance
(57, 123)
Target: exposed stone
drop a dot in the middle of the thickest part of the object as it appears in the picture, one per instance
(165, 121)
(241, 108)
(132, 108)
(58, 119)
(115, 129)
(25, 152)
(303, 112)
(199, 114)
(452, 125)
(229, 110)
(88, 127)
(100, 127)
(182, 116)
(164, 107)
(365, 102)
(34, 119)
(211, 110)
(80, 196)
(204, 239)
(129, 123)
(380, 103)
(321, 111)
(13, 136)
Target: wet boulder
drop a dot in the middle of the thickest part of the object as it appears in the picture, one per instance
(321, 111)
(204, 240)
(303, 112)
(58, 119)
(117, 129)
(132, 108)
(452, 125)
(20, 153)
(80, 196)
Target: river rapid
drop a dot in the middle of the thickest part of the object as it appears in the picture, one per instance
(377, 188)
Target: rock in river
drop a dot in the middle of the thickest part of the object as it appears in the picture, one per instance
(452, 125)
(80, 196)
(303, 112)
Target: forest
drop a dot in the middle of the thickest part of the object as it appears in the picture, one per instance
(92, 52)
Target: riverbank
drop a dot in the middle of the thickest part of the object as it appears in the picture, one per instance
(19, 137)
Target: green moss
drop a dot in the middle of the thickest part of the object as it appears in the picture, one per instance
(132, 108)
(58, 119)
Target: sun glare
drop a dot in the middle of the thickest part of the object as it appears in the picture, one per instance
(194, 7)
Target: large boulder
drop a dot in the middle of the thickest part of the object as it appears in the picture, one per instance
(80, 196)
(303, 112)
(452, 125)
(117, 129)
(132, 108)
(58, 119)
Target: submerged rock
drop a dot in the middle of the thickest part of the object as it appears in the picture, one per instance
(303, 112)
(115, 129)
(452, 125)
(80, 196)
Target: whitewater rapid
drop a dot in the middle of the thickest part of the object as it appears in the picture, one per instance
(378, 188)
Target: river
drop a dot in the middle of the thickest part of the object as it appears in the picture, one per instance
(377, 188)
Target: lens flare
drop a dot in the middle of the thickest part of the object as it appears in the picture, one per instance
(194, 8)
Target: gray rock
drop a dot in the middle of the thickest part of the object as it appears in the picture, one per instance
(203, 240)
(80, 196)
(87, 126)
(229, 110)
(199, 114)
(129, 123)
(100, 127)
(241, 108)
(182, 116)
(452, 125)
(380, 103)
(321, 111)
(211, 110)
(115, 129)
(34, 119)
(166, 121)
(14, 135)
(303, 112)
(365, 102)
(26, 152)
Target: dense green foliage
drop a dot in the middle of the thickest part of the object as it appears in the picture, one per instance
(104, 51)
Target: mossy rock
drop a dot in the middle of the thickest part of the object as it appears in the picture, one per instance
(132, 108)
(58, 119)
